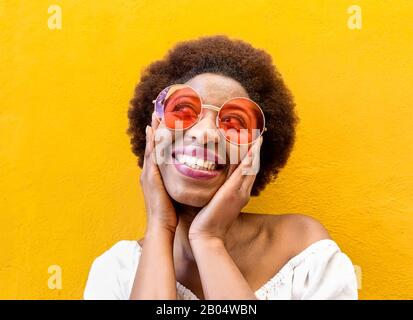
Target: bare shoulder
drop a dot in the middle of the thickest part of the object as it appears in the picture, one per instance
(307, 228)
(291, 233)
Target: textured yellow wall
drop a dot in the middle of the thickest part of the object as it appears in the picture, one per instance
(69, 182)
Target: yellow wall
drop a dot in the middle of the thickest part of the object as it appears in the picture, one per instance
(69, 183)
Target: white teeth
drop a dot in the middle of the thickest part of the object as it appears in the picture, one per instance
(196, 163)
(179, 158)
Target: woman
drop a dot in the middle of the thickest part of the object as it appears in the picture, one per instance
(208, 93)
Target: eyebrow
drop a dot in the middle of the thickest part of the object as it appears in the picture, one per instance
(188, 96)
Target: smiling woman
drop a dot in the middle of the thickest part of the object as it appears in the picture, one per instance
(216, 92)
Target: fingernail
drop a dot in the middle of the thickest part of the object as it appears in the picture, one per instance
(146, 130)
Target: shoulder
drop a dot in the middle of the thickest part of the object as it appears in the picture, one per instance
(304, 229)
(312, 260)
(120, 252)
(110, 272)
(292, 232)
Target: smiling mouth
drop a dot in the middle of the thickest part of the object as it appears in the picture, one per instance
(197, 163)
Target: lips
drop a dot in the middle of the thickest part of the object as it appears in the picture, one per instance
(198, 163)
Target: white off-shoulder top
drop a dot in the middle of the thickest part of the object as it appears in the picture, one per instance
(321, 271)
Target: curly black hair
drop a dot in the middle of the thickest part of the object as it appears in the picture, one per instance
(234, 58)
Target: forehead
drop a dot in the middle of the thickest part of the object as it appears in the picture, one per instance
(216, 89)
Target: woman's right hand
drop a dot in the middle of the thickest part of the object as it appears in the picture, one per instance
(155, 276)
(160, 210)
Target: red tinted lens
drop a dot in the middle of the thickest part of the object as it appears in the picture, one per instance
(241, 120)
(181, 107)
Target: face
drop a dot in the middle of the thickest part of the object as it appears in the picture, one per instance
(189, 179)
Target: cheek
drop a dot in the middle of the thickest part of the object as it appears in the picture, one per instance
(173, 185)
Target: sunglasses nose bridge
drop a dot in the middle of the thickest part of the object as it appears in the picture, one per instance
(205, 129)
(204, 114)
(211, 107)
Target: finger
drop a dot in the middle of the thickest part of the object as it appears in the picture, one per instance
(252, 167)
(247, 183)
(149, 148)
(255, 148)
(154, 125)
(153, 147)
(246, 167)
(236, 179)
(154, 121)
(251, 160)
(152, 128)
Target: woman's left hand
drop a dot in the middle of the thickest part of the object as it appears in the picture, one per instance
(214, 220)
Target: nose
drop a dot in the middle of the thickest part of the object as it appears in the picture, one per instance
(205, 130)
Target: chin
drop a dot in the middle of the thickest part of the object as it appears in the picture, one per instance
(189, 198)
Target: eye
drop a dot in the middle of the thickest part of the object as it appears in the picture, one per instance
(184, 110)
(184, 107)
(233, 121)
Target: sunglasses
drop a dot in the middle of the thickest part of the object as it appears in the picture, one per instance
(239, 120)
